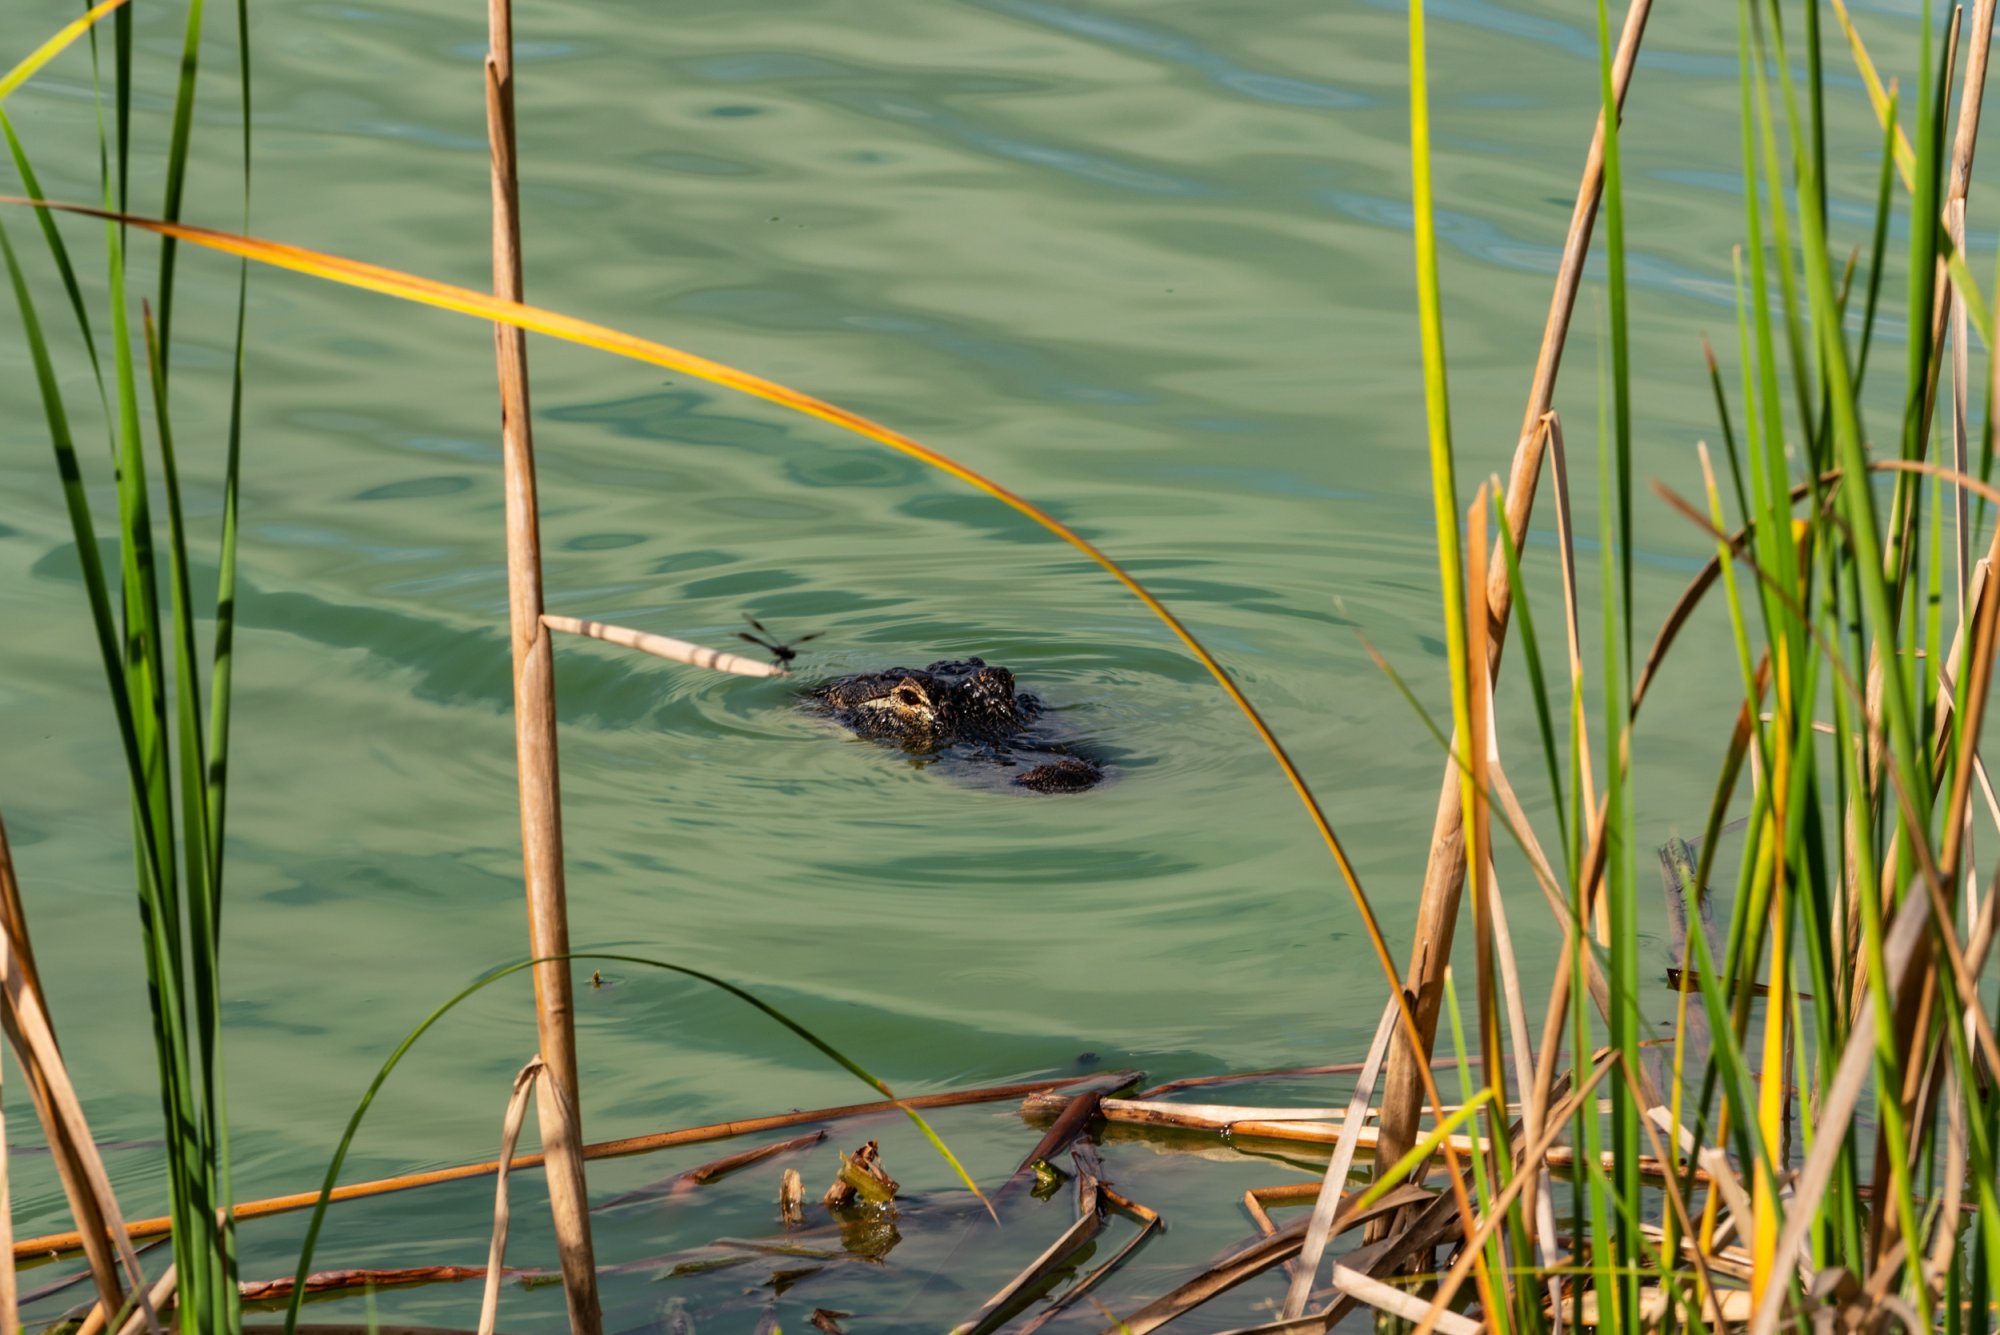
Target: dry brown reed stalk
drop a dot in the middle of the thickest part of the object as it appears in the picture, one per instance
(56, 1103)
(510, 1132)
(535, 713)
(10, 1293)
(662, 646)
(83, 1202)
(1444, 872)
(157, 1298)
(54, 1244)
(1315, 1126)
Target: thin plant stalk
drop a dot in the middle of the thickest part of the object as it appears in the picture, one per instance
(535, 713)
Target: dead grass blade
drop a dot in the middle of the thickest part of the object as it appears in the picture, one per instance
(1232, 1269)
(1320, 1227)
(157, 1298)
(1149, 1224)
(1089, 1223)
(1541, 1208)
(663, 646)
(510, 1132)
(1405, 1306)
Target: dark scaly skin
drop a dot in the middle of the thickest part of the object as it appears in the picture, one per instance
(960, 705)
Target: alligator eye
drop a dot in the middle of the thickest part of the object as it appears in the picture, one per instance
(910, 696)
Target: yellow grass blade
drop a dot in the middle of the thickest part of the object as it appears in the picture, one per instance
(1878, 96)
(50, 49)
(480, 305)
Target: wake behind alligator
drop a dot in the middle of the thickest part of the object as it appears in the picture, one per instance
(957, 709)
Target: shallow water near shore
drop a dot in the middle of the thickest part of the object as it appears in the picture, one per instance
(1149, 267)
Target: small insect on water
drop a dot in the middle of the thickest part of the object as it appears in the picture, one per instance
(781, 653)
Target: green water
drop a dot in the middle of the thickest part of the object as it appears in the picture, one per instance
(1149, 266)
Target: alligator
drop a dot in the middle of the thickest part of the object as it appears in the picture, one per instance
(959, 709)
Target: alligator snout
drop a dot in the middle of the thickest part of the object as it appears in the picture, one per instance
(961, 708)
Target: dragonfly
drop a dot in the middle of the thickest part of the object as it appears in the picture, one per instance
(781, 653)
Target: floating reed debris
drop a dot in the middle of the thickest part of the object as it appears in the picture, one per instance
(52, 1245)
(663, 646)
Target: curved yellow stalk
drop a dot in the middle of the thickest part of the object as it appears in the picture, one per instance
(480, 305)
(50, 49)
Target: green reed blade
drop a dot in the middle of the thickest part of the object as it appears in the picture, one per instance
(177, 155)
(1878, 241)
(1484, 1187)
(224, 659)
(201, 862)
(1613, 207)
(53, 235)
(221, 681)
(77, 501)
(121, 59)
(1610, 1216)
(1437, 398)
(1722, 415)
(487, 980)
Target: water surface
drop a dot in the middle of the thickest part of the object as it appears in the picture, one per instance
(1149, 265)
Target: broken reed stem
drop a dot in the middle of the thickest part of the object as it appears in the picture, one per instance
(1444, 874)
(535, 711)
(510, 1132)
(55, 1244)
(663, 646)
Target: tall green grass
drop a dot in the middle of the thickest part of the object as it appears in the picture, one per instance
(167, 660)
(1852, 888)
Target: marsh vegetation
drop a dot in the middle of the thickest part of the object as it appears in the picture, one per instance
(1759, 1090)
